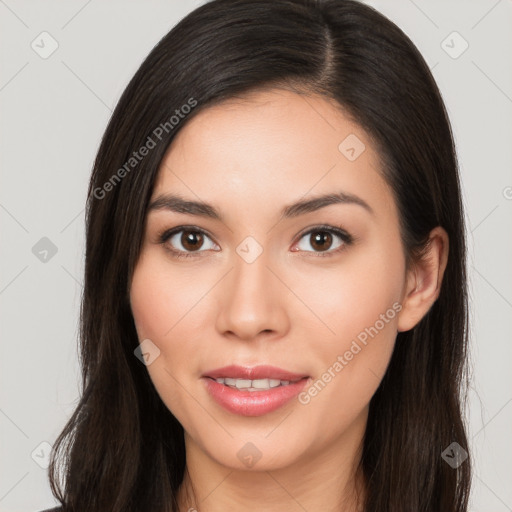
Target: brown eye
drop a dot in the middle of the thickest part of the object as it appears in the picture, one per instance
(191, 240)
(184, 242)
(323, 240)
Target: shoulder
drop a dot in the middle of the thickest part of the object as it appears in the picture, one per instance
(55, 509)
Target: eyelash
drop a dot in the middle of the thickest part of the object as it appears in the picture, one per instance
(346, 238)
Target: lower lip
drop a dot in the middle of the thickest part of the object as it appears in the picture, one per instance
(253, 403)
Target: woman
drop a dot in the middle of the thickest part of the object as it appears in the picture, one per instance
(275, 310)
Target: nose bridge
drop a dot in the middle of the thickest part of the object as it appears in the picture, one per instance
(251, 276)
(250, 301)
(251, 261)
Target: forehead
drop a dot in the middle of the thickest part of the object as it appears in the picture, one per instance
(269, 148)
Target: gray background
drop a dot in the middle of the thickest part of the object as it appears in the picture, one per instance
(53, 113)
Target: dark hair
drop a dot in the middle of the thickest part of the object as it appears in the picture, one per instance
(122, 449)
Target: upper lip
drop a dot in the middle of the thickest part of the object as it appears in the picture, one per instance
(253, 373)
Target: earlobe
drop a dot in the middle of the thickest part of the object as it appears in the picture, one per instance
(424, 280)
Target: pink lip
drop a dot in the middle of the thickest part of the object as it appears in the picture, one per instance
(256, 372)
(253, 403)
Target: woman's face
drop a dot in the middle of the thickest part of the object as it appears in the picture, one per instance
(268, 283)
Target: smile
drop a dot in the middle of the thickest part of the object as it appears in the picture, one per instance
(253, 385)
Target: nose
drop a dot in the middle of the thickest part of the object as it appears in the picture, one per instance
(252, 301)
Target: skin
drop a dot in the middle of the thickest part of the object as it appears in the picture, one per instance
(291, 307)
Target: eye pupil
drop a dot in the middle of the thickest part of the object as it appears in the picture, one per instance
(322, 240)
(191, 240)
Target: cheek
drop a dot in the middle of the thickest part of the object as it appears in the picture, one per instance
(165, 308)
(352, 295)
(156, 309)
(173, 307)
(160, 299)
(360, 305)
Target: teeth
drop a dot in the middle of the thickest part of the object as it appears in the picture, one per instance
(252, 385)
(242, 383)
(267, 383)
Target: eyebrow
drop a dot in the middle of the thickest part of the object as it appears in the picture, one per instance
(178, 204)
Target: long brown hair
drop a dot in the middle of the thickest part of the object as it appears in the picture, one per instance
(123, 450)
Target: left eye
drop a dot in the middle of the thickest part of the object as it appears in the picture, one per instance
(191, 240)
(322, 239)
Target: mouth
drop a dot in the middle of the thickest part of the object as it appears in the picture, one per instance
(254, 373)
(253, 391)
(254, 385)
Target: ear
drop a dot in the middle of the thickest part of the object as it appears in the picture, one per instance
(424, 279)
